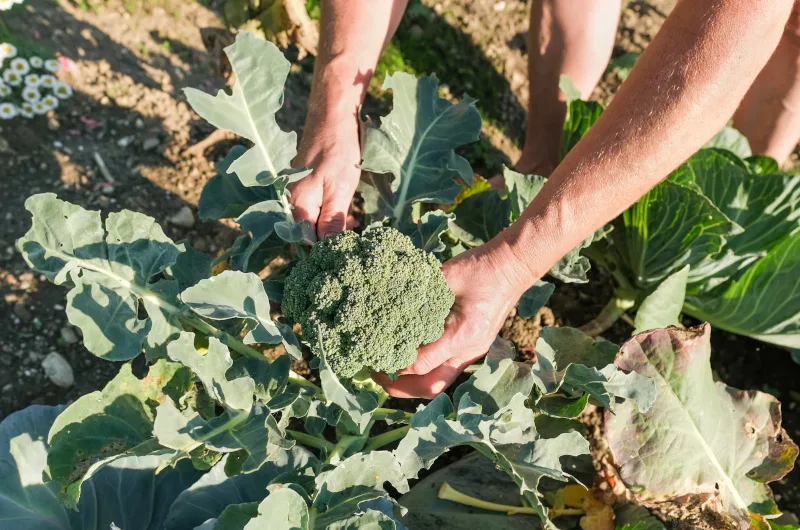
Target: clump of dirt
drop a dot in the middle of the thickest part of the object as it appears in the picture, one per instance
(524, 332)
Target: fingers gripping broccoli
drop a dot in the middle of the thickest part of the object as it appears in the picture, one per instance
(373, 299)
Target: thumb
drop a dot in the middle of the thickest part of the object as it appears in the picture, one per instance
(430, 356)
(306, 200)
(333, 214)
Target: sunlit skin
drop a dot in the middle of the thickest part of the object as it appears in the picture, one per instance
(684, 88)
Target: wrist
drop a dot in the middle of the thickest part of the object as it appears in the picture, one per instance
(337, 92)
(526, 250)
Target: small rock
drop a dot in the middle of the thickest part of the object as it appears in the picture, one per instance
(69, 335)
(7, 387)
(125, 141)
(184, 218)
(58, 370)
(150, 143)
(22, 312)
(139, 123)
(500, 6)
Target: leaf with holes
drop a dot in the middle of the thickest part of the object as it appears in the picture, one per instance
(701, 438)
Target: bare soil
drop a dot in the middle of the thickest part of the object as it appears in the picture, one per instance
(132, 60)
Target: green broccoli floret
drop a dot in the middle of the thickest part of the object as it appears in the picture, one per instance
(371, 299)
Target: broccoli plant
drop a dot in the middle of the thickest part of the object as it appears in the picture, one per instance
(217, 429)
(368, 301)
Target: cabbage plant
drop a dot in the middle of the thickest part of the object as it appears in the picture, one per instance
(732, 218)
(213, 432)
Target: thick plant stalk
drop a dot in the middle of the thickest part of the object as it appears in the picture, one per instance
(612, 312)
(310, 440)
(376, 442)
(449, 493)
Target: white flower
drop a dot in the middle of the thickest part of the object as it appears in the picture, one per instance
(20, 65)
(12, 78)
(62, 90)
(47, 81)
(31, 94)
(5, 5)
(40, 108)
(51, 102)
(33, 80)
(51, 65)
(36, 62)
(26, 110)
(7, 111)
(7, 50)
(5, 90)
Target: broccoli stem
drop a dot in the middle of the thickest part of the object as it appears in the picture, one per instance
(449, 493)
(338, 452)
(376, 442)
(347, 442)
(382, 413)
(239, 347)
(614, 309)
(318, 442)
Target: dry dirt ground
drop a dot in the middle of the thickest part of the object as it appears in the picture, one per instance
(132, 60)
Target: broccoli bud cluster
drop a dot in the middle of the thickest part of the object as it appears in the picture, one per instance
(368, 300)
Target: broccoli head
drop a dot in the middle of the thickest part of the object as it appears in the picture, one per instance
(370, 300)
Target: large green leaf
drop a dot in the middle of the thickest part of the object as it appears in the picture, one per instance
(672, 226)
(260, 71)
(662, 307)
(521, 190)
(508, 437)
(358, 476)
(112, 267)
(426, 233)
(570, 364)
(126, 492)
(415, 143)
(480, 217)
(732, 140)
(358, 407)
(26, 502)
(581, 115)
(499, 379)
(224, 195)
(254, 434)
(701, 438)
(535, 298)
(234, 294)
(763, 303)
(766, 207)
(105, 425)
(284, 509)
(260, 221)
(213, 492)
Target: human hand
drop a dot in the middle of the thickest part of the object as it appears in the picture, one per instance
(331, 149)
(485, 294)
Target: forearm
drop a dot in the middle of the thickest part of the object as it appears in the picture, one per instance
(353, 34)
(684, 88)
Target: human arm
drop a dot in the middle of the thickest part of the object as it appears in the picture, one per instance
(683, 89)
(353, 34)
